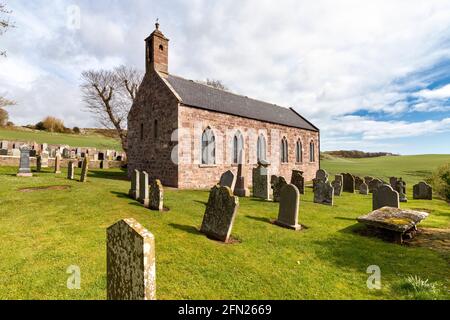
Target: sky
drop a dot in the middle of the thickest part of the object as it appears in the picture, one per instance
(372, 75)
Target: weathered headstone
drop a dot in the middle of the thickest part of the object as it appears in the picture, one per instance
(349, 183)
(84, 170)
(401, 189)
(321, 175)
(393, 183)
(374, 184)
(358, 182)
(367, 179)
(44, 159)
(338, 184)
(298, 180)
(385, 196)
(24, 164)
(364, 189)
(228, 179)
(156, 195)
(288, 209)
(261, 183)
(39, 163)
(130, 262)
(220, 213)
(143, 189)
(422, 190)
(134, 190)
(323, 193)
(277, 183)
(71, 170)
(240, 188)
(58, 164)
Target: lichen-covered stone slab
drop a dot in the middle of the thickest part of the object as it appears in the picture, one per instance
(134, 189)
(261, 183)
(131, 267)
(288, 209)
(323, 193)
(277, 183)
(156, 195)
(220, 213)
(385, 196)
(228, 179)
(394, 219)
(298, 180)
(423, 191)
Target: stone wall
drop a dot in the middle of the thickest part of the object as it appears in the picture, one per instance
(154, 102)
(10, 161)
(192, 121)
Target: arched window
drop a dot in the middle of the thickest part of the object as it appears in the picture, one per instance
(261, 148)
(298, 152)
(238, 147)
(312, 156)
(284, 150)
(208, 147)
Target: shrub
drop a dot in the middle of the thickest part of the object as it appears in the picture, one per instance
(76, 130)
(421, 289)
(53, 124)
(3, 117)
(39, 126)
(10, 124)
(440, 180)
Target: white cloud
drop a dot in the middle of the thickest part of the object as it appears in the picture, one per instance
(440, 93)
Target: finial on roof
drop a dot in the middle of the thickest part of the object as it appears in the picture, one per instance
(157, 24)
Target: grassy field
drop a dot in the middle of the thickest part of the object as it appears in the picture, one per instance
(44, 232)
(412, 168)
(74, 140)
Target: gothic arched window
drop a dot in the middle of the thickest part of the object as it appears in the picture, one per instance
(312, 156)
(261, 148)
(298, 152)
(208, 147)
(284, 150)
(238, 147)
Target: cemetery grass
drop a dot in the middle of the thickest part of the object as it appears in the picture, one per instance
(42, 233)
(74, 140)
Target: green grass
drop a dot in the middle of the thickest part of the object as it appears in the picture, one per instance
(44, 232)
(74, 140)
(412, 168)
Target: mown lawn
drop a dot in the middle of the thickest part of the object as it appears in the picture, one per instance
(412, 168)
(73, 140)
(42, 233)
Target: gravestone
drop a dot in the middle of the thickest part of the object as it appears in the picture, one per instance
(24, 163)
(364, 189)
(240, 188)
(323, 193)
(71, 170)
(423, 191)
(298, 180)
(143, 189)
(385, 196)
(44, 159)
(104, 164)
(277, 183)
(3, 152)
(156, 195)
(134, 190)
(58, 164)
(367, 179)
(401, 189)
(84, 170)
(39, 163)
(393, 183)
(228, 179)
(349, 183)
(374, 184)
(15, 152)
(130, 262)
(338, 184)
(288, 209)
(261, 183)
(358, 182)
(220, 213)
(321, 175)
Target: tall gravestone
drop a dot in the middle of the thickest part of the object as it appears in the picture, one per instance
(44, 159)
(261, 183)
(338, 184)
(364, 189)
(277, 183)
(134, 190)
(423, 191)
(323, 193)
(393, 182)
(220, 213)
(84, 170)
(156, 195)
(39, 163)
(385, 196)
(288, 209)
(374, 184)
(71, 170)
(298, 180)
(58, 164)
(349, 183)
(240, 188)
(228, 179)
(24, 163)
(143, 189)
(401, 189)
(130, 262)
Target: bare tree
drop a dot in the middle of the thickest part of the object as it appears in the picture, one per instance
(216, 84)
(109, 95)
(5, 23)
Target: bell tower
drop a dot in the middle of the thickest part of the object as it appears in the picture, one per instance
(157, 52)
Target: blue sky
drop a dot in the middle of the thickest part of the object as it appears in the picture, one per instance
(372, 75)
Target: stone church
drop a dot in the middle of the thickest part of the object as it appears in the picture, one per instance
(187, 133)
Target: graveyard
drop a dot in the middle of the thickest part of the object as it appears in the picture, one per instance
(50, 223)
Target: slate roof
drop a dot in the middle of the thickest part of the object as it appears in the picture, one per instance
(202, 96)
